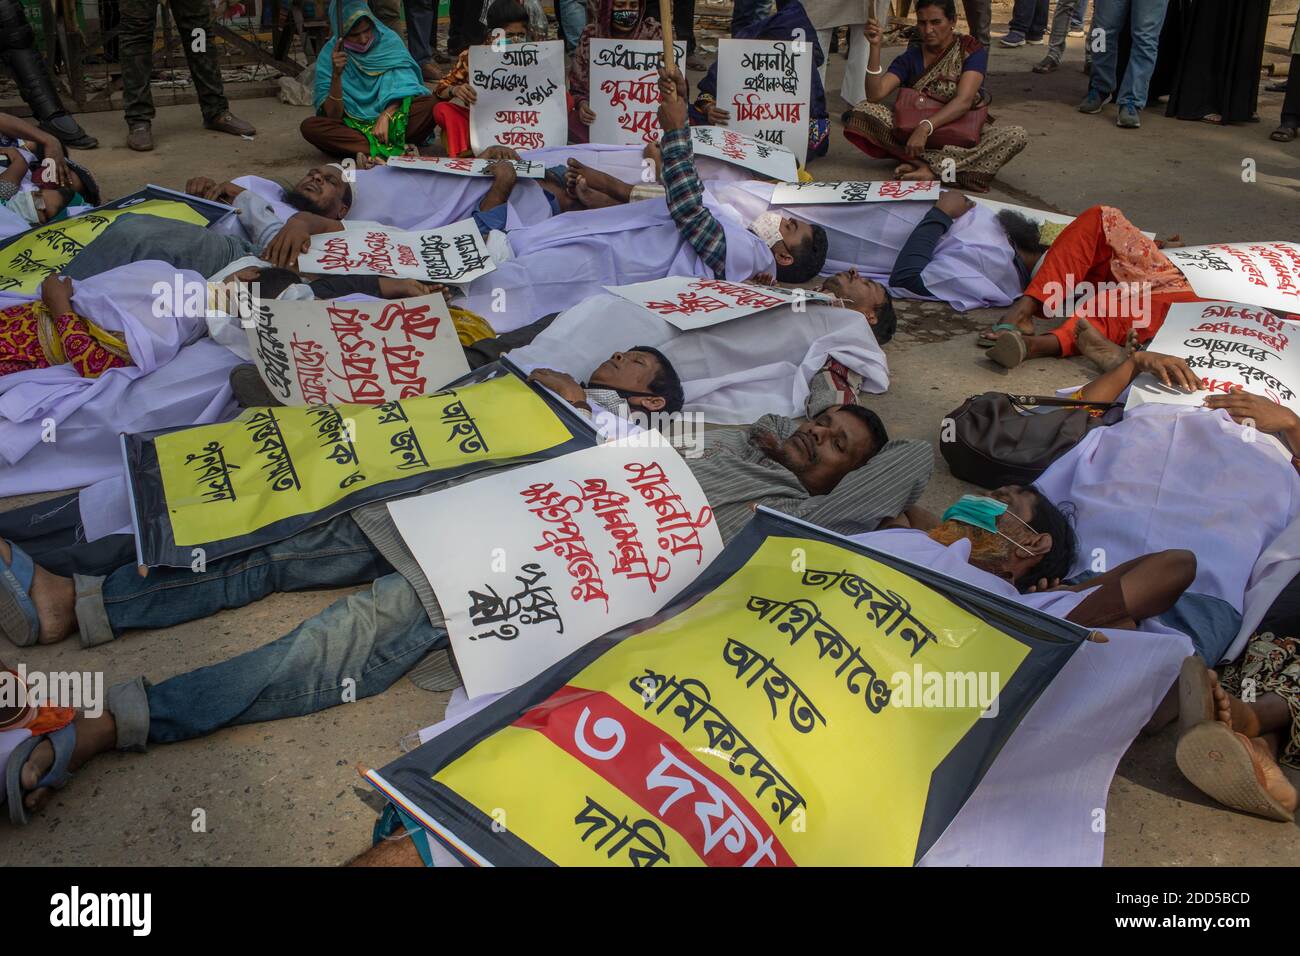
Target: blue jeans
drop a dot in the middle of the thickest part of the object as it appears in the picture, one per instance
(1029, 18)
(421, 29)
(572, 17)
(355, 648)
(1147, 17)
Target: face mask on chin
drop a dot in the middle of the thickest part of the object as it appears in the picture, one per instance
(352, 46)
(768, 228)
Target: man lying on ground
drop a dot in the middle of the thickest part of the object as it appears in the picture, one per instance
(840, 469)
(1101, 269)
(562, 261)
(324, 197)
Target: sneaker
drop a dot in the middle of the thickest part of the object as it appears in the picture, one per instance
(1078, 31)
(1039, 41)
(1012, 39)
(228, 122)
(139, 137)
(1092, 103)
(1128, 118)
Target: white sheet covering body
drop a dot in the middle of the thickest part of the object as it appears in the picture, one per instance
(568, 258)
(733, 373)
(1170, 476)
(627, 162)
(973, 265)
(175, 380)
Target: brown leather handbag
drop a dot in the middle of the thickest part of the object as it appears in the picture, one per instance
(912, 106)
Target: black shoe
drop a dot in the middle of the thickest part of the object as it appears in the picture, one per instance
(250, 391)
(68, 132)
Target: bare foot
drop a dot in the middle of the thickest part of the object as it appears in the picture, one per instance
(94, 736)
(655, 155)
(616, 189)
(55, 598)
(1098, 349)
(1238, 715)
(1267, 771)
(903, 168)
(590, 197)
(922, 173)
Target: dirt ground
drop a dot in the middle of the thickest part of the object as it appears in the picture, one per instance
(287, 792)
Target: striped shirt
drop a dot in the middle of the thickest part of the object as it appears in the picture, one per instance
(686, 201)
(735, 476)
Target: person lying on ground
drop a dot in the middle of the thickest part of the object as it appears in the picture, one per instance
(369, 92)
(1101, 269)
(323, 192)
(48, 331)
(571, 257)
(1032, 545)
(839, 469)
(32, 188)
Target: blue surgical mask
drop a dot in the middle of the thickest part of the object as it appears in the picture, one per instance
(979, 511)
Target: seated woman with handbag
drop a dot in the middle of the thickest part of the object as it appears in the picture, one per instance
(940, 120)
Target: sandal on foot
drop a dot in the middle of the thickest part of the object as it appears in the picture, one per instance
(1283, 134)
(18, 619)
(1195, 694)
(64, 742)
(1217, 762)
(1000, 327)
(1009, 350)
(1047, 65)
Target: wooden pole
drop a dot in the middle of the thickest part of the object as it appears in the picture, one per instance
(666, 21)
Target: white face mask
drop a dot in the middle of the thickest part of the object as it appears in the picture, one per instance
(768, 228)
(24, 204)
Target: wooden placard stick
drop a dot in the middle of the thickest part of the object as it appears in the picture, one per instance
(666, 21)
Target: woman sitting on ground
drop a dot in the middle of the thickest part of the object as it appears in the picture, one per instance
(617, 20)
(370, 96)
(506, 19)
(47, 332)
(948, 68)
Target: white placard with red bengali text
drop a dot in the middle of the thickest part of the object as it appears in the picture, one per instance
(692, 303)
(531, 564)
(770, 162)
(794, 194)
(454, 253)
(1226, 344)
(465, 165)
(521, 96)
(1261, 273)
(766, 86)
(365, 352)
(623, 90)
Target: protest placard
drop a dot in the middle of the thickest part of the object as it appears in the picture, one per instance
(547, 558)
(322, 353)
(1257, 273)
(454, 253)
(466, 165)
(690, 303)
(718, 142)
(624, 90)
(28, 257)
(715, 732)
(521, 96)
(272, 472)
(794, 194)
(766, 85)
(1227, 344)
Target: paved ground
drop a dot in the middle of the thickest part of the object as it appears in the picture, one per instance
(287, 792)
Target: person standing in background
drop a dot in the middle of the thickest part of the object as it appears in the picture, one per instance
(389, 13)
(979, 19)
(465, 27)
(193, 20)
(422, 37)
(1028, 24)
(1066, 21)
(1146, 18)
(571, 17)
(1217, 52)
(1286, 132)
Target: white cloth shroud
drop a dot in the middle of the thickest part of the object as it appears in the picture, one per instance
(973, 266)
(733, 373)
(1173, 476)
